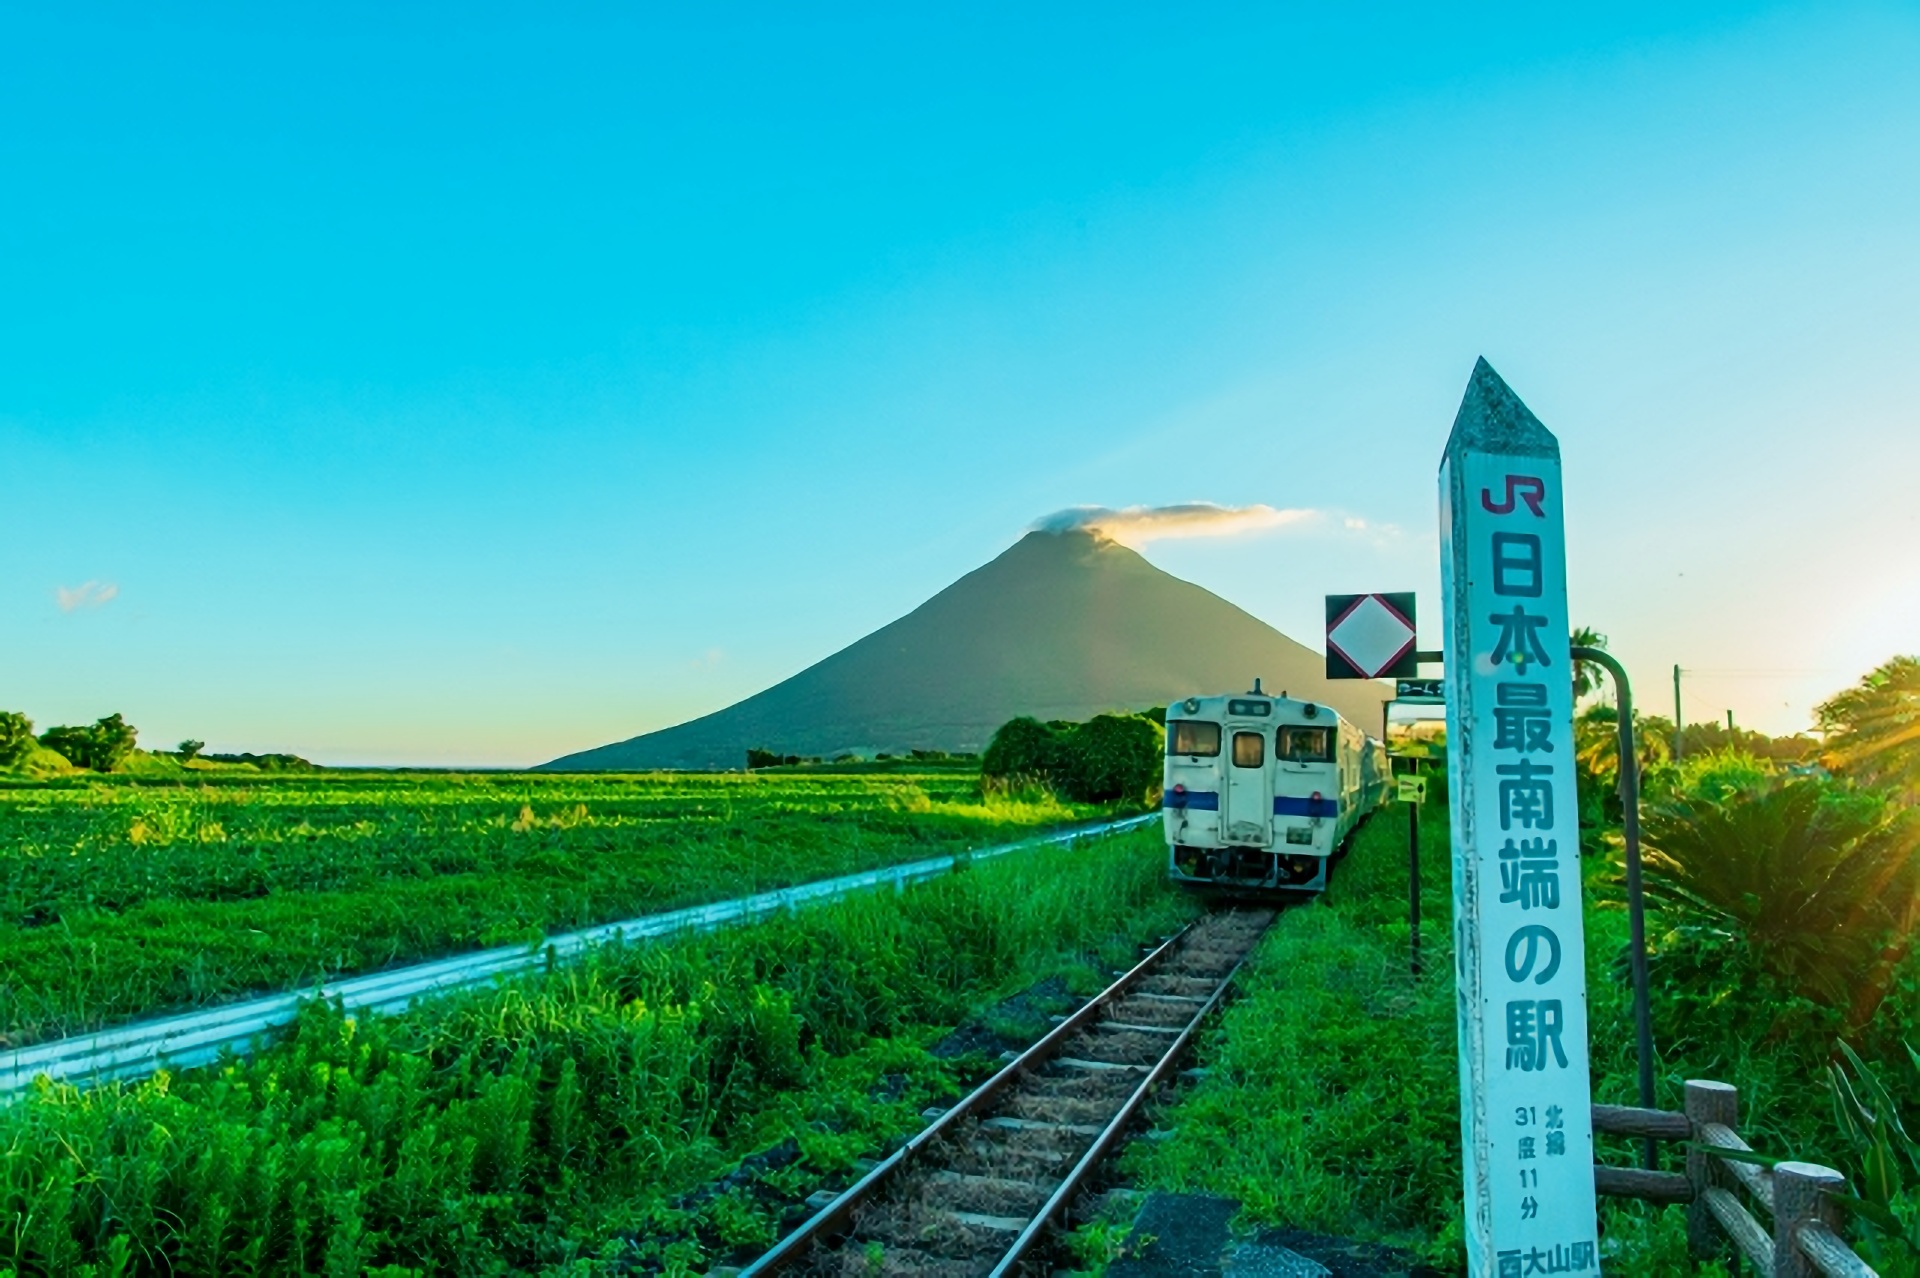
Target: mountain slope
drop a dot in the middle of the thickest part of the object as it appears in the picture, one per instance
(1060, 626)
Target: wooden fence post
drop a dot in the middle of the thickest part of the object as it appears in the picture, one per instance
(1707, 1102)
(1799, 1195)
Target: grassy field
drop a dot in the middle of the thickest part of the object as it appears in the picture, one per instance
(1333, 1098)
(580, 1122)
(126, 896)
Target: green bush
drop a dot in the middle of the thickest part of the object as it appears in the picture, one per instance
(1023, 747)
(1111, 756)
(102, 746)
(1722, 774)
(16, 738)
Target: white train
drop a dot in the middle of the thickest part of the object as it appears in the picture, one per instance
(1262, 791)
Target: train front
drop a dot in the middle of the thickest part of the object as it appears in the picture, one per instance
(1252, 793)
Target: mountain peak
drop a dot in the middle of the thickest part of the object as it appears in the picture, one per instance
(1060, 625)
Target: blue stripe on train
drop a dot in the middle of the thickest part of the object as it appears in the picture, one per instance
(1203, 801)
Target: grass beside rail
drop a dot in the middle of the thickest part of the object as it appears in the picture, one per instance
(551, 1125)
(1333, 1098)
(121, 898)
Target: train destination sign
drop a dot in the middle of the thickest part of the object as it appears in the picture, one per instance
(1371, 636)
(1520, 954)
(1421, 692)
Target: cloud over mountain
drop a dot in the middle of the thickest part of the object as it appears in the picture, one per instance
(1137, 525)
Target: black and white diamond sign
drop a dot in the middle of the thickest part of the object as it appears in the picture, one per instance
(1371, 636)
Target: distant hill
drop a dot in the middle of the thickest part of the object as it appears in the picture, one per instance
(1060, 626)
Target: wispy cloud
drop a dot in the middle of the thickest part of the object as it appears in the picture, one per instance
(1136, 525)
(88, 594)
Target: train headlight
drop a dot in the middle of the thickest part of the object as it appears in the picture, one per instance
(1193, 705)
(1312, 711)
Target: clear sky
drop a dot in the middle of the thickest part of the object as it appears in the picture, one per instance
(468, 384)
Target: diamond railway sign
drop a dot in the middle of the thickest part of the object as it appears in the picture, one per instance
(1371, 636)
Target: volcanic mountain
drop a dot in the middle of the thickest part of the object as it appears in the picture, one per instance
(1061, 626)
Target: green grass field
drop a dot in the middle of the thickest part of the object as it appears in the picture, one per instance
(580, 1122)
(1333, 1098)
(121, 897)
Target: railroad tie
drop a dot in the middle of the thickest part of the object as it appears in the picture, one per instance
(1005, 1224)
(1039, 1125)
(1076, 1062)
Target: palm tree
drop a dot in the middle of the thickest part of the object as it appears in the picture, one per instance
(1823, 883)
(1873, 728)
(1586, 675)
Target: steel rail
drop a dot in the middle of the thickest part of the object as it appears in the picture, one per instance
(836, 1216)
(825, 1221)
(193, 1039)
(1062, 1197)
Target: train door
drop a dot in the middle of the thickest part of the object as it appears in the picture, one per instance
(1248, 819)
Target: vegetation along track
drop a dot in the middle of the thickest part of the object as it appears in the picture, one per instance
(978, 1191)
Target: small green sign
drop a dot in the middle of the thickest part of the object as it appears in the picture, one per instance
(1412, 790)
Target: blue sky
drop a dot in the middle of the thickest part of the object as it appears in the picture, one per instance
(470, 385)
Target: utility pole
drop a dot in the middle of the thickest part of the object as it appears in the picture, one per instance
(1677, 720)
(1729, 720)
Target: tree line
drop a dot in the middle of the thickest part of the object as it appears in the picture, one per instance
(110, 743)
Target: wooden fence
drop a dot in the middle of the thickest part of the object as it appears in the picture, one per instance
(1804, 1241)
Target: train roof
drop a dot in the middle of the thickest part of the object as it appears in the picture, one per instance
(1254, 705)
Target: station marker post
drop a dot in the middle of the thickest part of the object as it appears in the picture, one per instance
(1520, 951)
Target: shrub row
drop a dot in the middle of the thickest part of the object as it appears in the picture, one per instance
(1109, 757)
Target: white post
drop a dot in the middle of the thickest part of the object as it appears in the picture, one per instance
(1520, 952)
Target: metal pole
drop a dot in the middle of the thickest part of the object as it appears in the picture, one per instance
(1677, 720)
(1636, 903)
(1413, 878)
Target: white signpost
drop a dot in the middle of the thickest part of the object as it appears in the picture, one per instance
(1520, 952)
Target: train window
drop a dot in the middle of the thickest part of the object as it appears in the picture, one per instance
(1249, 749)
(1260, 709)
(1190, 736)
(1305, 745)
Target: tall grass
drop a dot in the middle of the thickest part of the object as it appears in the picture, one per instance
(1331, 1103)
(550, 1124)
(1333, 1098)
(119, 898)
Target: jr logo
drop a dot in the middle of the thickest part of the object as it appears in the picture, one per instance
(1519, 487)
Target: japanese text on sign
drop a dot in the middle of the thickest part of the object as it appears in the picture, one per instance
(1526, 1117)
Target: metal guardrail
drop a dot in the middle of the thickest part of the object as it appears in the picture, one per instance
(199, 1038)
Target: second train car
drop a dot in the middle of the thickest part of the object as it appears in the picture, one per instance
(1262, 791)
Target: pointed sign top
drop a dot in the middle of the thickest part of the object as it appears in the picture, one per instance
(1493, 420)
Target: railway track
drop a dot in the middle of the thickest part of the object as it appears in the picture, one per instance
(980, 1190)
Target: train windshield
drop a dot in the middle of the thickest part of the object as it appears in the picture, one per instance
(1191, 736)
(1305, 745)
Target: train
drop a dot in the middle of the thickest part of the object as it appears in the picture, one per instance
(1261, 792)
